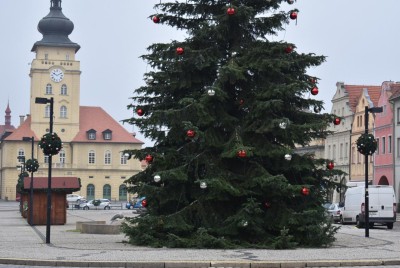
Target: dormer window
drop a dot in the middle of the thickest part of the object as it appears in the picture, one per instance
(91, 134)
(107, 134)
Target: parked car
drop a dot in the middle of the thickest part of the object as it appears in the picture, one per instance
(74, 198)
(104, 204)
(335, 212)
(137, 204)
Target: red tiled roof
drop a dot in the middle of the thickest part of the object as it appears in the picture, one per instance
(56, 183)
(395, 89)
(24, 130)
(97, 119)
(354, 92)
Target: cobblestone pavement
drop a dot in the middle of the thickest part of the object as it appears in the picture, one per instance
(23, 244)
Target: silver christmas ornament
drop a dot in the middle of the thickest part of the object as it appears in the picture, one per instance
(288, 157)
(157, 178)
(211, 92)
(203, 185)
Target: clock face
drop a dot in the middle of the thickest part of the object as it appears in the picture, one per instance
(56, 75)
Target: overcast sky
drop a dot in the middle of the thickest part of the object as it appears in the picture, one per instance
(359, 37)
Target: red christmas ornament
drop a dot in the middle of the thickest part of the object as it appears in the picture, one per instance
(267, 204)
(290, 2)
(144, 203)
(190, 133)
(156, 19)
(293, 15)
(230, 11)
(330, 165)
(149, 158)
(241, 102)
(336, 121)
(180, 51)
(241, 153)
(314, 91)
(140, 112)
(289, 49)
(305, 191)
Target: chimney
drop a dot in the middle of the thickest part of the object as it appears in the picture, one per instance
(21, 119)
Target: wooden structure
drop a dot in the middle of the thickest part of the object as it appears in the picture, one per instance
(61, 186)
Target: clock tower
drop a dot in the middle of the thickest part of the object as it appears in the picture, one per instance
(55, 74)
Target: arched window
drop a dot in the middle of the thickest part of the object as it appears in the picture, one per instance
(124, 159)
(107, 191)
(49, 89)
(64, 89)
(92, 157)
(63, 111)
(90, 192)
(47, 111)
(107, 157)
(122, 193)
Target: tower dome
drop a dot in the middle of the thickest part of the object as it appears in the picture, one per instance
(55, 28)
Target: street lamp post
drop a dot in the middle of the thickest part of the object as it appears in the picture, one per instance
(48, 220)
(32, 139)
(366, 202)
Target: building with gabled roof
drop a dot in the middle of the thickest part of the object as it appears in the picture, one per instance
(93, 142)
(337, 145)
(383, 133)
(369, 98)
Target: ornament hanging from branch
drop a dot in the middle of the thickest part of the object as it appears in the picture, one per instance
(290, 2)
(293, 15)
(367, 144)
(317, 109)
(211, 92)
(156, 19)
(305, 191)
(289, 49)
(157, 178)
(230, 11)
(203, 185)
(288, 157)
(180, 50)
(149, 158)
(336, 121)
(190, 133)
(314, 91)
(140, 112)
(242, 154)
(330, 165)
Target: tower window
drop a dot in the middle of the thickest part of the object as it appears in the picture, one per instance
(47, 111)
(49, 89)
(64, 89)
(63, 111)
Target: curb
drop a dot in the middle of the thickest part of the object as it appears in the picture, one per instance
(201, 264)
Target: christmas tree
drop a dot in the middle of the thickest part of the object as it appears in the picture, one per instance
(226, 108)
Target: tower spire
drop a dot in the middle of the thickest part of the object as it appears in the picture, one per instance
(8, 115)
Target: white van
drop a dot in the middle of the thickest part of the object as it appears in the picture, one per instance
(382, 206)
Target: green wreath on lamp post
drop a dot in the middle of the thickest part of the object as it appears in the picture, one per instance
(367, 144)
(32, 165)
(50, 144)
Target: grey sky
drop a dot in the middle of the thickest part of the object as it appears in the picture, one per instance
(359, 37)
